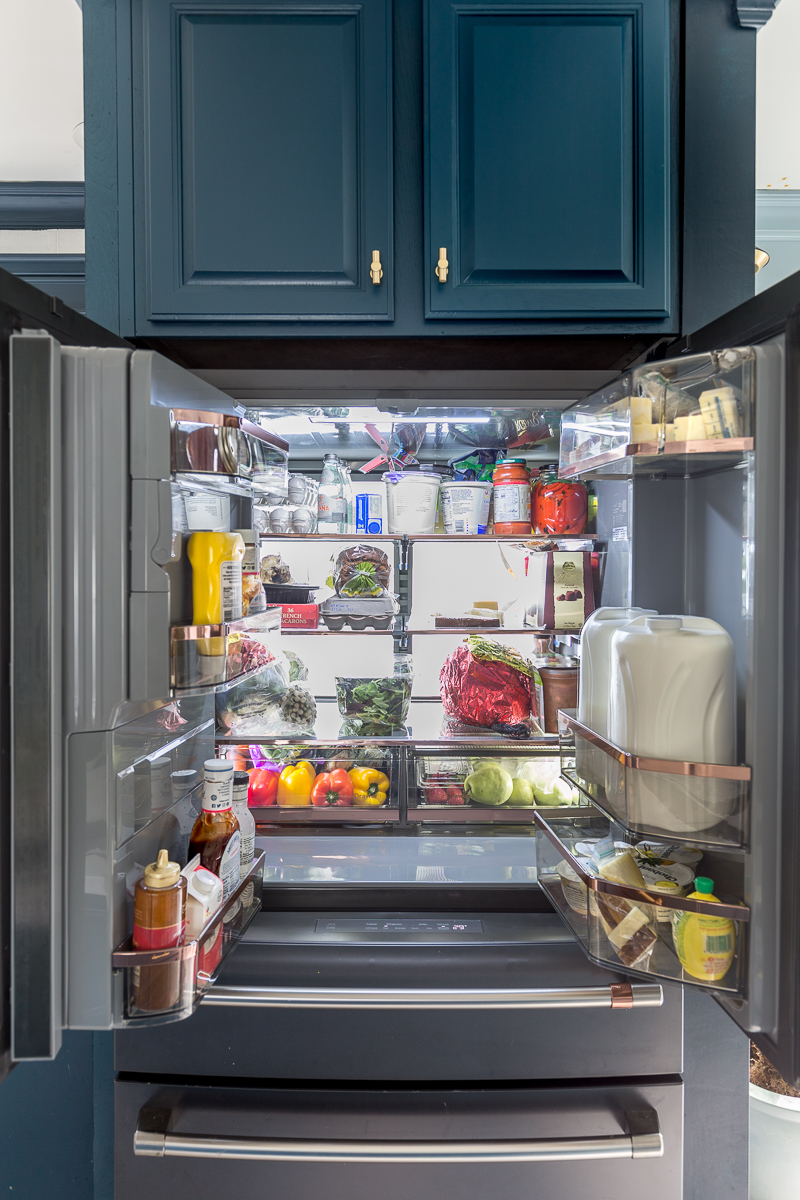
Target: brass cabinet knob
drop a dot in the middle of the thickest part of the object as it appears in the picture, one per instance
(442, 265)
(376, 270)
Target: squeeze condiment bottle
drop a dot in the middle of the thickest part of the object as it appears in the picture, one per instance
(215, 835)
(247, 824)
(216, 560)
(512, 497)
(159, 916)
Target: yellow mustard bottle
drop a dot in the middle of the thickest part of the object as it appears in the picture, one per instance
(216, 560)
(704, 944)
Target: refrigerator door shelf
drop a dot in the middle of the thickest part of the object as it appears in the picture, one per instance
(206, 656)
(160, 986)
(594, 910)
(704, 804)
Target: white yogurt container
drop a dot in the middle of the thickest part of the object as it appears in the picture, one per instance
(466, 506)
(572, 886)
(411, 501)
(670, 852)
(671, 879)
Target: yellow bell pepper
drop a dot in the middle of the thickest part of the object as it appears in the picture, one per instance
(369, 787)
(295, 784)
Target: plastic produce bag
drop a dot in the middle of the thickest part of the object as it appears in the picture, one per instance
(292, 712)
(254, 695)
(486, 683)
(361, 571)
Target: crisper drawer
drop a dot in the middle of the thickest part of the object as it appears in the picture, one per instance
(610, 1142)
(511, 997)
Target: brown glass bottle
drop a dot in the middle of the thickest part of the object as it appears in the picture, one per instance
(215, 834)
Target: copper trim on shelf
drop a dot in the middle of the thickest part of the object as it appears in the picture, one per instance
(665, 766)
(737, 912)
(657, 450)
(621, 995)
(126, 955)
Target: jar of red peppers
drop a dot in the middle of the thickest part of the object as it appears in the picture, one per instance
(561, 507)
(512, 497)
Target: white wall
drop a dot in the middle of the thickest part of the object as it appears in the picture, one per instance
(778, 100)
(41, 90)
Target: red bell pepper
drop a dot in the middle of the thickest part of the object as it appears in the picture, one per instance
(263, 788)
(334, 788)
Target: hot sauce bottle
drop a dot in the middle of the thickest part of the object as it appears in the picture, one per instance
(215, 834)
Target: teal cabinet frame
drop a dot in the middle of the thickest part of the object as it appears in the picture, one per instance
(550, 158)
(262, 160)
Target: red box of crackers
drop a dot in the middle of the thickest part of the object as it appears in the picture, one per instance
(299, 616)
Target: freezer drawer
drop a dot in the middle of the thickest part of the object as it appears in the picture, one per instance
(612, 1142)
(286, 985)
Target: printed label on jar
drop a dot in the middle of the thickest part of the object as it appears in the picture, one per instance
(512, 502)
(250, 561)
(230, 577)
(229, 865)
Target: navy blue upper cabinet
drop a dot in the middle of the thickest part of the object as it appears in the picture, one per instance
(262, 160)
(548, 156)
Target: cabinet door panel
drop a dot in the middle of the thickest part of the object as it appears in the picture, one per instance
(265, 154)
(551, 187)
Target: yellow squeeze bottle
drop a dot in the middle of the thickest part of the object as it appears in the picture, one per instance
(704, 944)
(216, 560)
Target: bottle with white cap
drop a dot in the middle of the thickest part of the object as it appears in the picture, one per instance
(247, 825)
(215, 835)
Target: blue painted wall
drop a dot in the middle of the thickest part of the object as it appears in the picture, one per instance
(56, 1124)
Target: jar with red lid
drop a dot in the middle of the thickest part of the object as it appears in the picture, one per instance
(512, 497)
(562, 507)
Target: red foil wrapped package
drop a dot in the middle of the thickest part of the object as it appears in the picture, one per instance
(483, 691)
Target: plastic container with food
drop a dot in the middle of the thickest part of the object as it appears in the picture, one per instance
(411, 501)
(466, 506)
(670, 879)
(572, 886)
(378, 701)
(670, 852)
(512, 497)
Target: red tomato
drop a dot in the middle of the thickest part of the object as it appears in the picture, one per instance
(263, 788)
(561, 507)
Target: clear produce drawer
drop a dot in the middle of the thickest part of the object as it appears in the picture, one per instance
(631, 928)
(706, 804)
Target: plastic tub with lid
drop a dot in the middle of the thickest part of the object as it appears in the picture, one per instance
(411, 501)
(466, 506)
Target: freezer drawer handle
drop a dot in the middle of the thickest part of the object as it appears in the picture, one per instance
(616, 995)
(642, 1140)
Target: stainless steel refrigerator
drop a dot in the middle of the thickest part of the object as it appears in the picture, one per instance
(91, 711)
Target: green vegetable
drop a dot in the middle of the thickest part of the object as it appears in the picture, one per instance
(383, 702)
(362, 582)
(490, 784)
(521, 794)
(488, 650)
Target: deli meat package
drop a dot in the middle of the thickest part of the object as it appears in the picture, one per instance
(485, 683)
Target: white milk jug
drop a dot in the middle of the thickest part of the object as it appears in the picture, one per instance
(591, 763)
(595, 654)
(672, 695)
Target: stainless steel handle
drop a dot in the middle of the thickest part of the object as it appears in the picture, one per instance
(638, 995)
(643, 1140)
